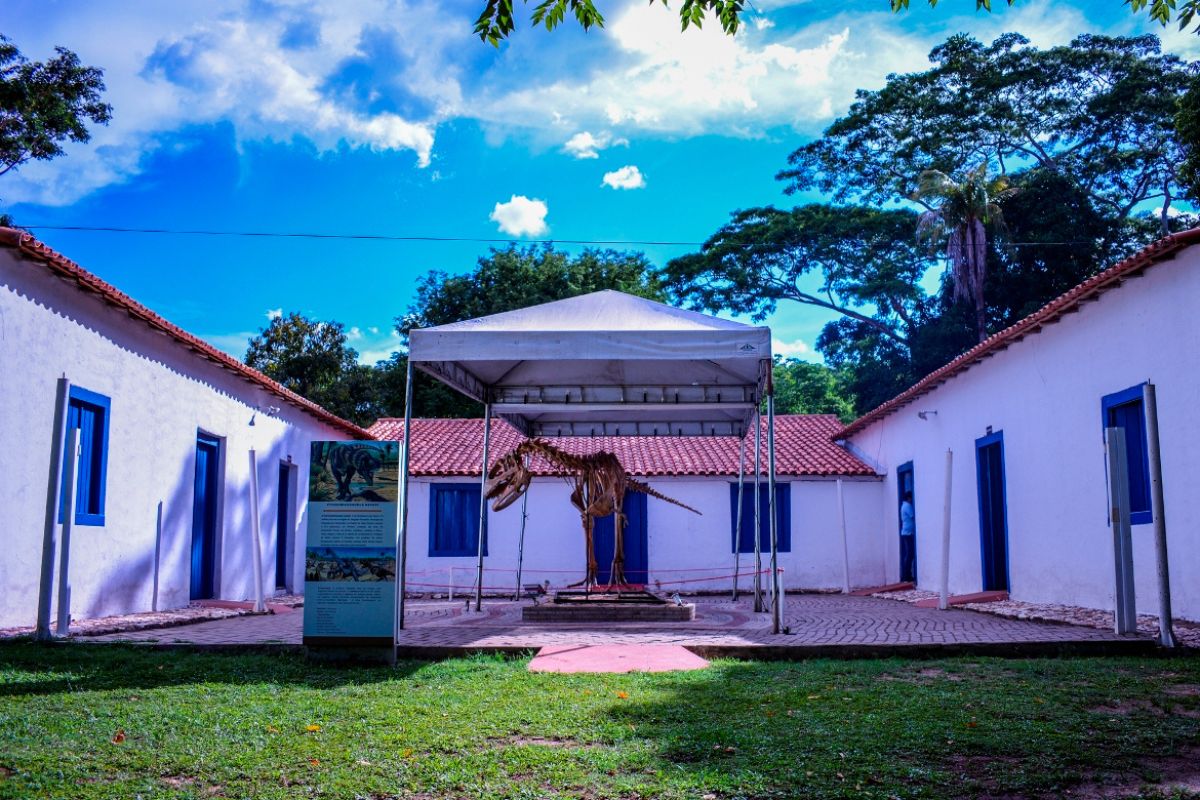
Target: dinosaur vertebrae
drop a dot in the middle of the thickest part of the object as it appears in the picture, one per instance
(600, 484)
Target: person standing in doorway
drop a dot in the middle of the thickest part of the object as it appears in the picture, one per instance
(908, 539)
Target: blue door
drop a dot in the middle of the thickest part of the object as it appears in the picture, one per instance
(993, 514)
(906, 488)
(636, 546)
(204, 517)
(283, 518)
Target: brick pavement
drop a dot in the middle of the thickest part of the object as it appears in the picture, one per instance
(817, 624)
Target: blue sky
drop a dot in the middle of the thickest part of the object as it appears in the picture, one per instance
(389, 117)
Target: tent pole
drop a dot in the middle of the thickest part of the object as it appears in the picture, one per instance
(487, 438)
(521, 537)
(758, 604)
(776, 600)
(402, 556)
(737, 536)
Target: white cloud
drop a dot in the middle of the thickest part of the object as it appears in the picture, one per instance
(627, 177)
(230, 62)
(354, 334)
(521, 216)
(793, 349)
(274, 313)
(588, 145)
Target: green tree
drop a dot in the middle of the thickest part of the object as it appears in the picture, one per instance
(44, 104)
(802, 387)
(508, 279)
(1099, 112)
(312, 359)
(498, 19)
(860, 262)
(963, 211)
(1187, 128)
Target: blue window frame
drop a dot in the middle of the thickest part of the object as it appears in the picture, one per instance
(454, 520)
(783, 517)
(1124, 410)
(89, 412)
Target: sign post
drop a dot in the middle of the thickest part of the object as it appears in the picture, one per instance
(350, 554)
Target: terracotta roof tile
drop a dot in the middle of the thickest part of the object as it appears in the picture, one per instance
(63, 267)
(804, 446)
(1048, 314)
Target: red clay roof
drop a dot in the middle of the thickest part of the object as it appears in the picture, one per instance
(804, 446)
(1052, 312)
(63, 267)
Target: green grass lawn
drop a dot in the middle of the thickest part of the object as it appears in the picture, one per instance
(87, 721)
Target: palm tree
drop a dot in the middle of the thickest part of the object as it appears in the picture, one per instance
(961, 215)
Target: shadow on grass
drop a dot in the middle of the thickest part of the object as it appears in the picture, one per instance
(29, 668)
(954, 728)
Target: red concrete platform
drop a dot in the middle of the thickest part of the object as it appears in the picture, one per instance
(616, 658)
(963, 599)
(891, 587)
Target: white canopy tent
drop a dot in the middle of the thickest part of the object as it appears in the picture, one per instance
(600, 364)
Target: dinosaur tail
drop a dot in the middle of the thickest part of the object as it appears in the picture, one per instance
(638, 486)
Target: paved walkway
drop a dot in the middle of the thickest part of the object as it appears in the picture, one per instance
(817, 624)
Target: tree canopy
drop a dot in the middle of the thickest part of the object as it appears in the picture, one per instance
(498, 18)
(44, 104)
(1099, 112)
(312, 359)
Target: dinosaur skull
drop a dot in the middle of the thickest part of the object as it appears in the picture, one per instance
(507, 480)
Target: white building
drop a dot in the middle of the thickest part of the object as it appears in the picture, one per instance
(1024, 414)
(665, 545)
(164, 421)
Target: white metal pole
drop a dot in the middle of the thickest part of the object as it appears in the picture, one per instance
(50, 532)
(451, 593)
(737, 535)
(758, 603)
(841, 501)
(157, 556)
(63, 626)
(402, 510)
(260, 603)
(1166, 633)
(521, 536)
(776, 594)
(1125, 614)
(944, 588)
(483, 520)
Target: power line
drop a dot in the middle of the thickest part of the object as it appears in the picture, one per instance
(381, 237)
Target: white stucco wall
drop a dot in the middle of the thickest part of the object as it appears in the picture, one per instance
(162, 395)
(681, 545)
(1044, 393)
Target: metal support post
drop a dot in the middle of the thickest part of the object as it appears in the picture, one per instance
(483, 519)
(402, 505)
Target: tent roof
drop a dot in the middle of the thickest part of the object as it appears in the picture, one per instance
(604, 364)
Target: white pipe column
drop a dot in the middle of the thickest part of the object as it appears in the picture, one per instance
(776, 598)
(841, 501)
(50, 533)
(402, 510)
(63, 626)
(1125, 611)
(944, 589)
(1166, 634)
(487, 438)
(737, 536)
(260, 604)
(758, 603)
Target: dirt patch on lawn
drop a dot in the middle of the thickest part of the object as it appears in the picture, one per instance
(521, 740)
(923, 676)
(1160, 777)
(1183, 690)
(1123, 708)
(187, 781)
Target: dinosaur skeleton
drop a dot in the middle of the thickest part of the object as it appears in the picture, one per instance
(600, 484)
